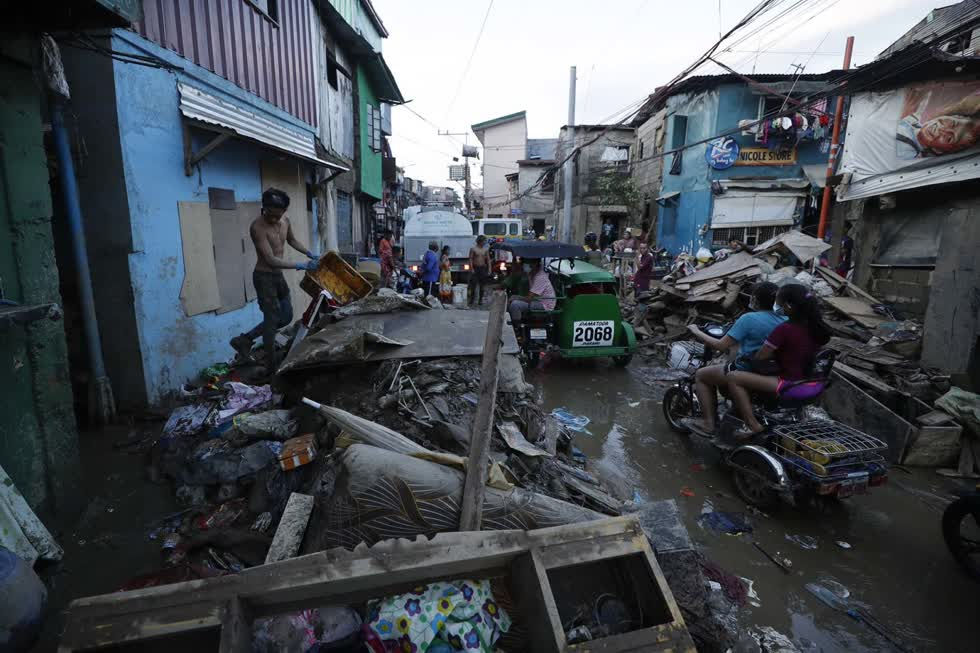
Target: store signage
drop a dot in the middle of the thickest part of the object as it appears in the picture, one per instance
(760, 156)
(722, 153)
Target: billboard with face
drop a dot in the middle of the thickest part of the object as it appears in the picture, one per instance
(921, 134)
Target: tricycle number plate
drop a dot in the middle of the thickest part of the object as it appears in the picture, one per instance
(855, 484)
(539, 334)
(593, 333)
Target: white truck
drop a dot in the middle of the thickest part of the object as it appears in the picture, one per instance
(444, 225)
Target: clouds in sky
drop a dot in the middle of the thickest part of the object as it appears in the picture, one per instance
(623, 50)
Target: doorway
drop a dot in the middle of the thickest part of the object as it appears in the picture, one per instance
(609, 228)
(538, 225)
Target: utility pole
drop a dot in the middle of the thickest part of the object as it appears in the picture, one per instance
(834, 145)
(468, 152)
(566, 223)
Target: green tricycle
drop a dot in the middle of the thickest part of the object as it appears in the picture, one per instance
(586, 321)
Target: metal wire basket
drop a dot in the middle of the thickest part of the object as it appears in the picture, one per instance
(827, 438)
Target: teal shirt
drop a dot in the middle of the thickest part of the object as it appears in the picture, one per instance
(750, 330)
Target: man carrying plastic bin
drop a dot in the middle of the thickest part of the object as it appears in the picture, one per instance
(270, 232)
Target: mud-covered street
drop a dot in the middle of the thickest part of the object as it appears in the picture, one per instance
(897, 566)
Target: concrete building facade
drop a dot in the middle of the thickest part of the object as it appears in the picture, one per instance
(504, 141)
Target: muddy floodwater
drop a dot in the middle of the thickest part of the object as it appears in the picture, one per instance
(896, 566)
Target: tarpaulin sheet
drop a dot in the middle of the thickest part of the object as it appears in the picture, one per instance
(909, 137)
(750, 209)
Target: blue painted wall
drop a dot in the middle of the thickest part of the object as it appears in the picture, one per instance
(175, 347)
(709, 113)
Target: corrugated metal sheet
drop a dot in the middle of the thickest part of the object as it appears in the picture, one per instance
(940, 22)
(198, 105)
(234, 39)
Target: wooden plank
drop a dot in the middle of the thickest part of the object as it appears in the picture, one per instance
(850, 404)
(471, 510)
(199, 290)
(291, 529)
(551, 429)
(857, 309)
(952, 320)
(236, 627)
(597, 498)
(731, 265)
(865, 379)
(935, 418)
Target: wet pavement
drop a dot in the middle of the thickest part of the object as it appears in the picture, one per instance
(897, 566)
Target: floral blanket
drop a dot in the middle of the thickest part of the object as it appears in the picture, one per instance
(461, 614)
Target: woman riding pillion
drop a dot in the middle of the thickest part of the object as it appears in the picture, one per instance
(745, 338)
(793, 345)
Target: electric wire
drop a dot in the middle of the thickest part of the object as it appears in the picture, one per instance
(469, 62)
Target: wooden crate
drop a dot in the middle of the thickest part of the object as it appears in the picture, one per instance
(225, 607)
(335, 275)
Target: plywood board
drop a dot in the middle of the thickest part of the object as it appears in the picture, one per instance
(857, 309)
(731, 265)
(228, 261)
(199, 291)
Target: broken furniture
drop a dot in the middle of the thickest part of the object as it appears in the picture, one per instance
(582, 560)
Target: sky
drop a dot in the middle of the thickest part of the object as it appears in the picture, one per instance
(622, 49)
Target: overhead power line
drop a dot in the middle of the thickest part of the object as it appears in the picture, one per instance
(466, 69)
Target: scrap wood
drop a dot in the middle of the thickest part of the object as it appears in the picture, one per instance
(596, 498)
(935, 418)
(865, 379)
(731, 265)
(838, 282)
(857, 309)
(291, 529)
(22, 532)
(805, 248)
(516, 440)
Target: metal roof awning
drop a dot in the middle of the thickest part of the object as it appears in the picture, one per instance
(790, 183)
(383, 80)
(662, 200)
(197, 105)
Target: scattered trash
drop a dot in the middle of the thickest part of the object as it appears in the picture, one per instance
(724, 522)
(687, 492)
(272, 424)
(242, 397)
(578, 634)
(842, 544)
(187, 420)
(331, 628)
(225, 515)
(750, 593)
(292, 527)
(803, 541)
(772, 641)
(262, 522)
(572, 422)
(715, 586)
(698, 467)
(634, 404)
(831, 598)
(470, 397)
(297, 452)
(782, 563)
(462, 613)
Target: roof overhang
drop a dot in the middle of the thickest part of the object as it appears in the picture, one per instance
(208, 110)
(382, 79)
(493, 122)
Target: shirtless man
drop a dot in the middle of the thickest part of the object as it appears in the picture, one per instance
(270, 232)
(479, 270)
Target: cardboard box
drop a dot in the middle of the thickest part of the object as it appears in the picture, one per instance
(298, 451)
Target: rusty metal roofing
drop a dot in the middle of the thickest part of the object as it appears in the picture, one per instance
(940, 22)
(197, 105)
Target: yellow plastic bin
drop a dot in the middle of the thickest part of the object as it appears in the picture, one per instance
(335, 275)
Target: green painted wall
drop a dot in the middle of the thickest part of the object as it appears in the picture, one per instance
(370, 172)
(38, 437)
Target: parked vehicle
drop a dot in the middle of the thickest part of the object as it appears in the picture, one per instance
(498, 229)
(443, 225)
(961, 530)
(795, 459)
(587, 321)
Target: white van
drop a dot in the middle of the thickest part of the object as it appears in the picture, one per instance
(498, 229)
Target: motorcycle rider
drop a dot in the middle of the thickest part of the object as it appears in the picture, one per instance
(744, 339)
(792, 345)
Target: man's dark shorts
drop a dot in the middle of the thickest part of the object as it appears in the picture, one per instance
(271, 289)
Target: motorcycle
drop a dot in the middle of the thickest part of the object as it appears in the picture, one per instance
(795, 459)
(961, 530)
(407, 281)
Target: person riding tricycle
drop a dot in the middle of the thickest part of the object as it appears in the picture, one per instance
(569, 307)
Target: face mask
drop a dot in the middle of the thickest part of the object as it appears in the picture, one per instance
(527, 269)
(753, 305)
(778, 310)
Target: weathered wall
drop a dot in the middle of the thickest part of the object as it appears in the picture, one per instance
(172, 346)
(537, 204)
(105, 211)
(370, 163)
(234, 39)
(679, 223)
(38, 438)
(503, 146)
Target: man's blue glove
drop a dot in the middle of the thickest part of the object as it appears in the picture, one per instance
(309, 265)
(313, 256)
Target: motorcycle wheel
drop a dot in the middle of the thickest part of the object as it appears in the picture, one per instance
(533, 359)
(753, 481)
(961, 530)
(677, 406)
